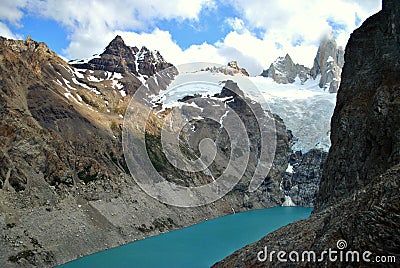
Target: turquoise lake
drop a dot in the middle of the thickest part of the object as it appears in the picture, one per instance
(200, 245)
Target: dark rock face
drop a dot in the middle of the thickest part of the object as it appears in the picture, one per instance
(367, 222)
(359, 193)
(302, 183)
(366, 122)
(285, 71)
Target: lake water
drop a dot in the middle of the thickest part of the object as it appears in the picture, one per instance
(200, 245)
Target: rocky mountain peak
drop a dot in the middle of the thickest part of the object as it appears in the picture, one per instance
(284, 71)
(328, 63)
(117, 47)
(149, 62)
(120, 58)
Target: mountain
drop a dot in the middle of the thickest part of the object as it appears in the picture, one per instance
(65, 187)
(358, 201)
(120, 58)
(328, 64)
(284, 71)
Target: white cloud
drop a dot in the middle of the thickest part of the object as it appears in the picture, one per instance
(162, 41)
(6, 32)
(236, 24)
(90, 23)
(10, 10)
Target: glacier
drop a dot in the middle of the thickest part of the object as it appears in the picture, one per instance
(305, 108)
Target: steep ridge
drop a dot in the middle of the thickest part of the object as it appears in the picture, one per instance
(65, 189)
(359, 194)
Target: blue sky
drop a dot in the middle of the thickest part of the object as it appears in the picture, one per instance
(253, 32)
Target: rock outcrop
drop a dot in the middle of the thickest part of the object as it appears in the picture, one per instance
(359, 194)
(232, 68)
(234, 65)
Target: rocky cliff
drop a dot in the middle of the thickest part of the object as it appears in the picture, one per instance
(65, 188)
(359, 194)
(303, 176)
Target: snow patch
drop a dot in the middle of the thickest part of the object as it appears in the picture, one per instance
(117, 76)
(69, 95)
(67, 84)
(288, 202)
(85, 60)
(289, 168)
(116, 84)
(221, 120)
(92, 78)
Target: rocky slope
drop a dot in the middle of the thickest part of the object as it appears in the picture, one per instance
(328, 64)
(65, 189)
(359, 194)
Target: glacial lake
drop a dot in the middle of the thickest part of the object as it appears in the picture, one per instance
(200, 245)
